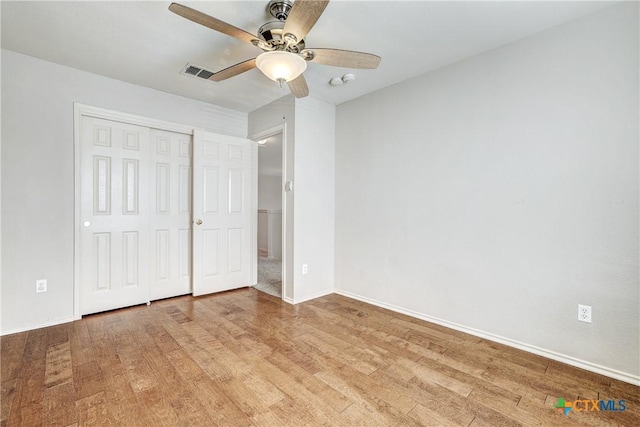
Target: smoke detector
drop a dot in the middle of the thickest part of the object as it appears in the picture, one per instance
(339, 81)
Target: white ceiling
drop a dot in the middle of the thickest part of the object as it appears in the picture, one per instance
(145, 44)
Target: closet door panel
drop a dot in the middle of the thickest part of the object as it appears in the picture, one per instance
(114, 216)
(221, 209)
(171, 217)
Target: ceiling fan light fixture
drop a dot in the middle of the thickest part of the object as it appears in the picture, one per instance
(281, 66)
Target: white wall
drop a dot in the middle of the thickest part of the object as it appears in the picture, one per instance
(315, 198)
(0, 199)
(498, 193)
(269, 192)
(309, 146)
(38, 174)
(270, 199)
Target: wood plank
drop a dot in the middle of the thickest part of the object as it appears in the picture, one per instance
(290, 413)
(391, 405)
(26, 408)
(358, 387)
(220, 408)
(450, 405)
(58, 370)
(153, 403)
(36, 345)
(440, 374)
(7, 394)
(285, 390)
(243, 397)
(57, 334)
(344, 357)
(327, 394)
(94, 410)
(12, 348)
(345, 327)
(364, 414)
(59, 405)
(80, 343)
(189, 411)
(88, 380)
(426, 416)
(184, 365)
(268, 419)
(139, 373)
(177, 315)
(285, 346)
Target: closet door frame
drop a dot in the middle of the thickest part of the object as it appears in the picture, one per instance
(80, 110)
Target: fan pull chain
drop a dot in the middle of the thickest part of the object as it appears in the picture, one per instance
(282, 93)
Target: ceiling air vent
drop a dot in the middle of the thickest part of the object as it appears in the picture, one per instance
(195, 71)
(205, 74)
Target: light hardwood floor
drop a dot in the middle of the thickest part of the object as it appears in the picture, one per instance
(246, 358)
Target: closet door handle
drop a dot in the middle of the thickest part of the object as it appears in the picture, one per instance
(198, 221)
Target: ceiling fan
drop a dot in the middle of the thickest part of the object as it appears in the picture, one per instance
(285, 56)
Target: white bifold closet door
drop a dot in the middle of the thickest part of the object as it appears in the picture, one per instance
(114, 213)
(171, 214)
(222, 171)
(138, 189)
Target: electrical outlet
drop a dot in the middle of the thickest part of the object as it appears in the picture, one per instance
(305, 270)
(41, 285)
(584, 313)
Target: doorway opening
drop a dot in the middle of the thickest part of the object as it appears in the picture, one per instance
(270, 225)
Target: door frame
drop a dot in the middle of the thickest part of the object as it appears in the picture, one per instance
(80, 110)
(286, 263)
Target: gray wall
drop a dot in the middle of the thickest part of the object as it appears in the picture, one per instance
(498, 193)
(38, 174)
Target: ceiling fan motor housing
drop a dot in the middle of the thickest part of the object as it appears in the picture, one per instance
(279, 9)
(272, 33)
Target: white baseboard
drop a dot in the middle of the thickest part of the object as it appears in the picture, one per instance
(288, 300)
(312, 296)
(569, 360)
(38, 326)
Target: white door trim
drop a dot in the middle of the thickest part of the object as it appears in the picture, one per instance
(286, 263)
(118, 116)
(80, 110)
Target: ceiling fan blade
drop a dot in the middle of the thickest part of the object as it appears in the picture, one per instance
(211, 22)
(234, 70)
(298, 87)
(303, 16)
(343, 58)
